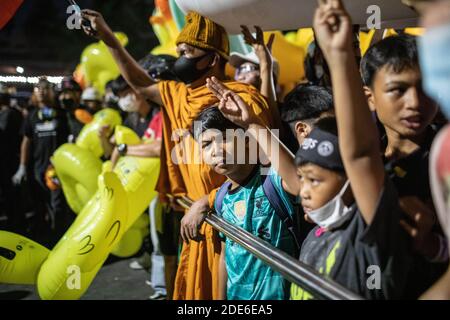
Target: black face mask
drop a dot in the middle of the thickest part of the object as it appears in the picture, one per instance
(68, 104)
(186, 69)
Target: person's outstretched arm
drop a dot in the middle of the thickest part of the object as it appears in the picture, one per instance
(133, 73)
(358, 136)
(266, 64)
(236, 110)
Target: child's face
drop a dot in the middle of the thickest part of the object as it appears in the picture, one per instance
(318, 186)
(221, 153)
(400, 102)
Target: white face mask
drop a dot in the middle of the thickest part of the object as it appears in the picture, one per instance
(128, 103)
(334, 213)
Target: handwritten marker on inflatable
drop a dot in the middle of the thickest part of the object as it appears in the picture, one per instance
(78, 165)
(139, 176)
(78, 170)
(86, 244)
(121, 198)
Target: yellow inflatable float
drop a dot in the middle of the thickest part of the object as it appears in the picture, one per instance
(73, 263)
(112, 215)
(20, 258)
(77, 169)
(88, 138)
(78, 165)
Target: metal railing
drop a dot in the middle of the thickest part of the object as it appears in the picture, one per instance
(291, 269)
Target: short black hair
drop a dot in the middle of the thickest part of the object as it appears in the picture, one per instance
(396, 52)
(159, 66)
(211, 118)
(327, 124)
(306, 102)
(119, 84)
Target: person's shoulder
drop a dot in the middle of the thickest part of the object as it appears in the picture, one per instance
(388, 197)
(169, 85)
(62, 113)
(32, 115)
(240, 87)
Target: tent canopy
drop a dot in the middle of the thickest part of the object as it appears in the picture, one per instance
(292, 14)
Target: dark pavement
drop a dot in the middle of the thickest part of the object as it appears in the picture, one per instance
(115, 281)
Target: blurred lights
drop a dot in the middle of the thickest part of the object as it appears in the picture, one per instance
(20, 70)
(31, 80)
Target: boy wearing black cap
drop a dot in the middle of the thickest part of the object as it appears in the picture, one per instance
(358, 242)
(367, 253)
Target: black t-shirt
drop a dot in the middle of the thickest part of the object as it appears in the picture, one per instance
(10, 139)
(75, 126)
(357, 255)
(410, 174)
(46, 136)
(139, 124)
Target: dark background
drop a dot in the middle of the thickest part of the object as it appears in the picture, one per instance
(37, 38)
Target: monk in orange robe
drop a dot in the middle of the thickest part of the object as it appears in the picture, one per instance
(203, 48)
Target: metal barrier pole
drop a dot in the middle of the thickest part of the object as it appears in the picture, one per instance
(290, 268)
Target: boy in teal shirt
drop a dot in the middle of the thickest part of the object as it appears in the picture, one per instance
(243, 202)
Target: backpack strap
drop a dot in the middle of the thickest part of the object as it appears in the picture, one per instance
(220, 195)
(281, 210)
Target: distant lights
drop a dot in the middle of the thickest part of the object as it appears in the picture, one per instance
(20, 70)
(30, 80)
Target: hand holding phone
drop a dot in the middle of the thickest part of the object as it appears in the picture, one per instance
(84, 22)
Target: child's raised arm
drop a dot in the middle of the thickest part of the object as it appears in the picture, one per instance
(236, 110)
(358, 135)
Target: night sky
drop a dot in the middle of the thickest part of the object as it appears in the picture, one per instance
(37, 37)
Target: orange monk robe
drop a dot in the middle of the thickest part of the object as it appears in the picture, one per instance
(197, 275)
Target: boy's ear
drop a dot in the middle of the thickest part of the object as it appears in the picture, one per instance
(302, 129)
(370, 98)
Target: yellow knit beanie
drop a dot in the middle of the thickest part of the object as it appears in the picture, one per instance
(205, 34)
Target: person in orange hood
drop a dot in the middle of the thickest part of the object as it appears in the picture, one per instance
(203, 50)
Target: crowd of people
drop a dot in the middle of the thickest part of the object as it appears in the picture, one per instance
(350, 174)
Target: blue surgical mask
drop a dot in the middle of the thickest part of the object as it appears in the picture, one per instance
(434, 50)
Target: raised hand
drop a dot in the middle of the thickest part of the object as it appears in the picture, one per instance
(333, 28)
(98, 27)
(231, 104)
(262, 50)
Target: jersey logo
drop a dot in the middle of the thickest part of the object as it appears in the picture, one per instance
(240, 209)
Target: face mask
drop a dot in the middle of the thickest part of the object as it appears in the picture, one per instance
(128, 103)
(334, 213)
(434, 47)
(186, 69)
(111, 99)
(68, 104)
